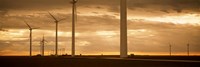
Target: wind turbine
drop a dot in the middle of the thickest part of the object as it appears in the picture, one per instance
(74, 17)
(42, 43)
(123, 29)
(1, 27)
(56, 43)
(170, 49)
(30, 28)
(188, 49)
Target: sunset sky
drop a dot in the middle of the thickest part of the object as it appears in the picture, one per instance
(152, 25)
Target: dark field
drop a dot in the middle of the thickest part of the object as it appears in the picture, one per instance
(101, 61)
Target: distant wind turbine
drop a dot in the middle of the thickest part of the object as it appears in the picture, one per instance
(74, 17)
(1, 28)
(170, 49)
(188, 49)
(30, 28)
(42, 43)
(56, 43)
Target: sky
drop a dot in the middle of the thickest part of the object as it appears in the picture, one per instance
(153, 25)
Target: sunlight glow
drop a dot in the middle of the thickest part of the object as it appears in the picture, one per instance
(13, 34)
(192, 19)
(141, 33)
(184, 19)
(106, 33)
(83, 43)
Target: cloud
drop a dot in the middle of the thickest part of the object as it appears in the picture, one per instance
(96, 17)
(176, 5)
(161, 35)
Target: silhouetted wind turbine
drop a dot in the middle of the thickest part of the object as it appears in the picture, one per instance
(1, 28)
(74, 17)
(170, 49)
(188, 49)
(42, 43)
(30, 28)
(123, 29)
(56, 43)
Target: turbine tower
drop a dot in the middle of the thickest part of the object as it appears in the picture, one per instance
(74, 17)
(170, 49)
(123, 29)
(42, 43)
(30, 28)
(188, 49)
(56, 43)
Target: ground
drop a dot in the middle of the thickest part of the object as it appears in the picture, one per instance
(100, 61)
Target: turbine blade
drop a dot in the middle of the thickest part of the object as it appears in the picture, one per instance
(35, 28)
(45, 41)
(62, 19)
(75, 8)
(27, 24)
(43, 38)
(52, 16)
(1, 29)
